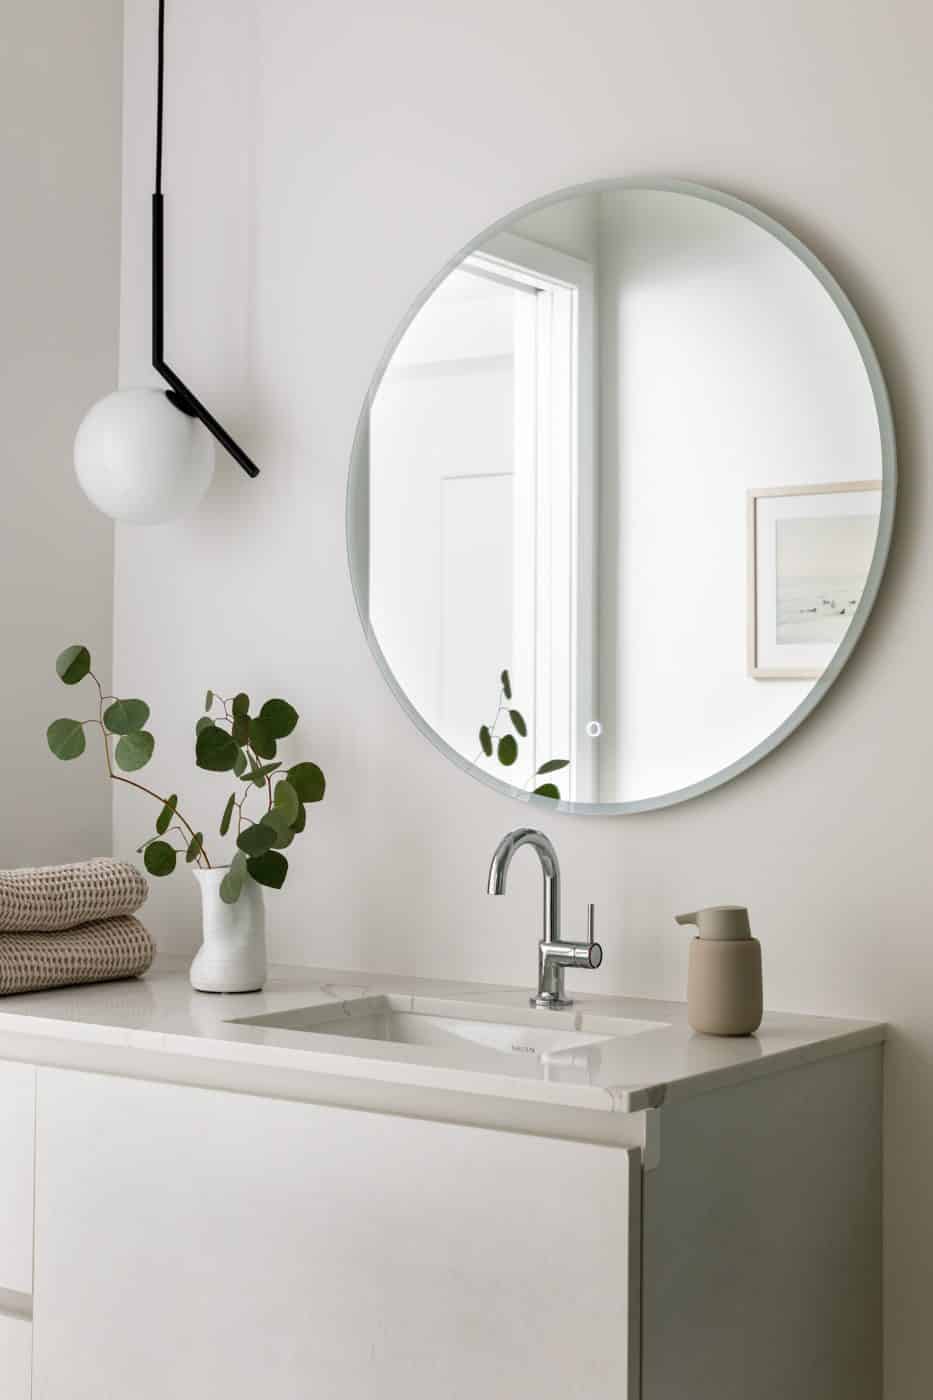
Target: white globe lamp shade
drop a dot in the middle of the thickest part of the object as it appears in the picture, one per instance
(140, 459)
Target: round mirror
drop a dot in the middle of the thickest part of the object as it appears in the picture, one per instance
(621, 496)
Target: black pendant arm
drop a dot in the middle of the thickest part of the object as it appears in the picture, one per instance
(179, 393)
(183, 397)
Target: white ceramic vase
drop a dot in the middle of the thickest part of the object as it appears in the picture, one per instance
(232, 957)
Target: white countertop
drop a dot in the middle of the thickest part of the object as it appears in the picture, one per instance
(160, 1014)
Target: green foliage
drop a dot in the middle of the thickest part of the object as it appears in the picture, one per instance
(228, 814)
(228, 739)
(257, 839)
(164, 819)
(308, 781)
(134, 750)
(279, 718)
(507, 750)
(215, 750)
(232, 884)
(269, 869)
(159, 858)
(66, 738)
(506, 747)
(126, 716)
(73, 664)
(286, 798)
(261, 738)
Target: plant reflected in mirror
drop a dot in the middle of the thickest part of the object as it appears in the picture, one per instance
(505, 746)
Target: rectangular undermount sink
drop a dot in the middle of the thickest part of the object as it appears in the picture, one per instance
(404, 1020)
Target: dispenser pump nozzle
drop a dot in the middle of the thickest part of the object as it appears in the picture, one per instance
(722, 922)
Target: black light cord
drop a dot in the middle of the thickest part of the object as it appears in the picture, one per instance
(179, 393)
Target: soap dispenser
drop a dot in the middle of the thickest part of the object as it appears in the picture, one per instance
(724, 993)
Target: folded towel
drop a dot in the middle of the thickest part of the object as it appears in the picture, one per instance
(54, 897)
(96, 952)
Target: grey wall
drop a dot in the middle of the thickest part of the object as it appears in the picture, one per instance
(60, 119)
(322, 163)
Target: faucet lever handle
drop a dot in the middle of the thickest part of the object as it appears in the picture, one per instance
(593, 955)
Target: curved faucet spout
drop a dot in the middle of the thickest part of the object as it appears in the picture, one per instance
(502, 857)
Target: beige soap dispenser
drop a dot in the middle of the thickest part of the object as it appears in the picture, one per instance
(724, 995)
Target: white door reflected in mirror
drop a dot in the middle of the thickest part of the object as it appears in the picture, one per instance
(631, 457)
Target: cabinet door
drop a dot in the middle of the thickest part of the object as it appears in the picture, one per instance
(15, 1355)
(204, 1244)
(17, 1137)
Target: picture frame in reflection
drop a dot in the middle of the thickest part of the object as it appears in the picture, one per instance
(810, 549)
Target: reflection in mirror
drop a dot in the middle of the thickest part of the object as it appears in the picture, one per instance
(619, 493)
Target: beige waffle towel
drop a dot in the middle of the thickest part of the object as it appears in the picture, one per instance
(96, 952)
(55, 897)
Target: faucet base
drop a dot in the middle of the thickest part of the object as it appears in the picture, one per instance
(547, 1002)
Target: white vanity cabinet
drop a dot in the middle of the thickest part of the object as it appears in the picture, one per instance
(197, 1207)
(17, 1121)
(200, 1243)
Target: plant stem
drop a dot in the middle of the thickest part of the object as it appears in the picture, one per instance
(130, 782)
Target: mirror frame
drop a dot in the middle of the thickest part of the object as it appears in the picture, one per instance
(357, 503)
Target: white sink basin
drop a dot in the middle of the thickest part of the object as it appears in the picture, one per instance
(413, 1021)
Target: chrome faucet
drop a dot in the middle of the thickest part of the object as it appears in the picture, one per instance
(554, 955)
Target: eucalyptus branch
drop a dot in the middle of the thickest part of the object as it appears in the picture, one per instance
(228, 740)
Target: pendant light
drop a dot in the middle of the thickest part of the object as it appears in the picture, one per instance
(145, 456)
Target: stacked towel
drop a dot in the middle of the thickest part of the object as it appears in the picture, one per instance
(65, 924)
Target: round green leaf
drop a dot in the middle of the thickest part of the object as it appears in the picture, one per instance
(506, 681)
(308, 781)
(215, 750)
(203, 723)
(159, 858)
(228, 814)
(195, 847)
(240, 729)
(255, 840)
(300, 821)
(261, 738)
(283, 840)
(277, 818)
(232, 883)
(66, 738)
(287, 798)
(123, 716)
(134, 750)
(518, 722)
(241, 703)
(279, 717)
(164, 819)
(73, 664)
(507, 750)
(485, 739)
(269, 869)
(547, 790)
(553, 764)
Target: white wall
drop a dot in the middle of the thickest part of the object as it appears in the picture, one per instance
(60, 100)
(334, 156)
